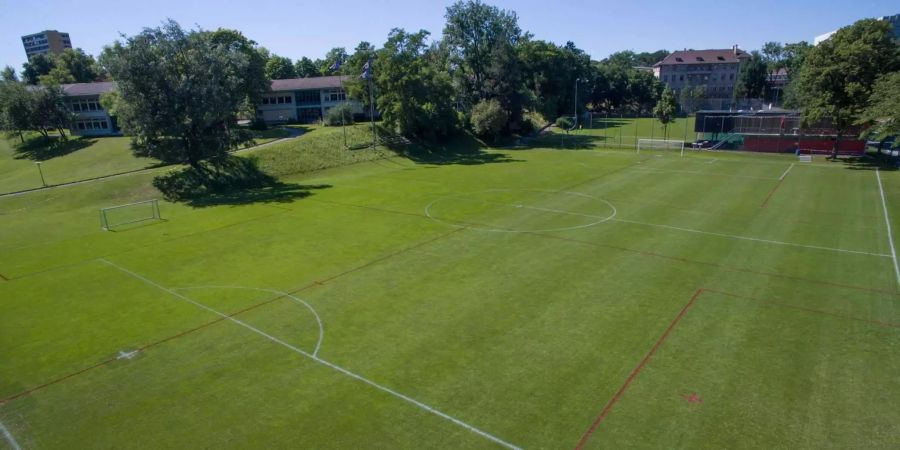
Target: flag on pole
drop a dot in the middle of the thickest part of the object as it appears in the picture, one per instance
(336, 66)
(367, 71)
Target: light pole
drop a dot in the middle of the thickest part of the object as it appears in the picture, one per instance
(577, 80)
(38, 164)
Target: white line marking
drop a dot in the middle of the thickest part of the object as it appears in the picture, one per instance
(693, 172)
(746, 238)
(284, 294)
(126, 355)
(887, 221)
(9, 437)
(316, 358)
(786, 172)
(712, 160)
(519, 205)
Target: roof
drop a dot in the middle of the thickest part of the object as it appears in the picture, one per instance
(82, 89)
(717, 56)
(290, 84)
(297, 84)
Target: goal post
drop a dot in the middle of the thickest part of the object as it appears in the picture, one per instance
(129, 213)
(660, 144)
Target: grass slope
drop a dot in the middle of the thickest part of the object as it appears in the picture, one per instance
(525, 332)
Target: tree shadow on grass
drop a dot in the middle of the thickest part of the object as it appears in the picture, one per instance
(560, 141)
(231, 180)
(464, 149)
(43, 149)
(869, 162)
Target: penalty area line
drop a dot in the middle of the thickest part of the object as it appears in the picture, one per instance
(9, 437)
(315, 358)
(752, 239)
(887, 222)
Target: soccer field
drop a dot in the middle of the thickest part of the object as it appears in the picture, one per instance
(537, 299)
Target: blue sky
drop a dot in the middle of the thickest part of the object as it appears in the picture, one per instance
(295, 29)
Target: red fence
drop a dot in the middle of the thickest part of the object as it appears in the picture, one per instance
(774, 144)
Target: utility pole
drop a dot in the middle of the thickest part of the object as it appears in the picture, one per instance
(38, 164)
(577, 80)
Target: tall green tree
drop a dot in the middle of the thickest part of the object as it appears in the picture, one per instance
(305, 68)
(838, 76)
(49, 111)
(752, 80)
(279, 68)
(881, 117)
(665, 109)
(357, 88)
(16, 109)
(334, 58)
(549, 73)
(81, 66)
(37, 66)
(691, 98)
(8, 74)
(482, 41)
(414, 97)
(181, 90)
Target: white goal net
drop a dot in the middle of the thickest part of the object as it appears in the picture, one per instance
(119, 215)
(660, 144)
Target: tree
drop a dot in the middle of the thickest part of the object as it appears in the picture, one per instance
(482, 42)
(691, 98)
(279, 68)
(773, 56)
(752, 80)
(881, 117)
(838, 76)
(36, 66)
(180, 91)
(334, 58)
(414, 97)
(665, 109)
(549, 72)
(305, 68)
(643, 90)
(15, 109)
(57, 76)
(356, 87)
(488, 118)
(8, 74)
(80, 66)
(792, 60)
(49, 111)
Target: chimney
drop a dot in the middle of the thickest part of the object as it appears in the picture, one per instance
(735, 49)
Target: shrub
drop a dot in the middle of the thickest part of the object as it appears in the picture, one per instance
(489, 119)
(258, 124)
(564, 123)
(333, 116)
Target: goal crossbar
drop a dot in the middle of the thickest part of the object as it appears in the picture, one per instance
(129, 213)
(660, 144)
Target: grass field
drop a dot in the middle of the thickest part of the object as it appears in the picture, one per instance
(539, 298)
(82, 158)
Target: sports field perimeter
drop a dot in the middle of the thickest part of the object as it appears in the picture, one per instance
(523, 299)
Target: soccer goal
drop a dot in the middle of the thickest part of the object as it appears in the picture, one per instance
(119, 215)
(660, 144)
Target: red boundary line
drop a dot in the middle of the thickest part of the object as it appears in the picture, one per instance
(771, 193)
(634, 373)
(220, 319)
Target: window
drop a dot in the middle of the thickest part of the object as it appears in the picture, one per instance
(265, 100)
(700, 58)
(731, 77)
(679, 60)
(308, 97)
(681, 78)
(80, 125)
(720, 58)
